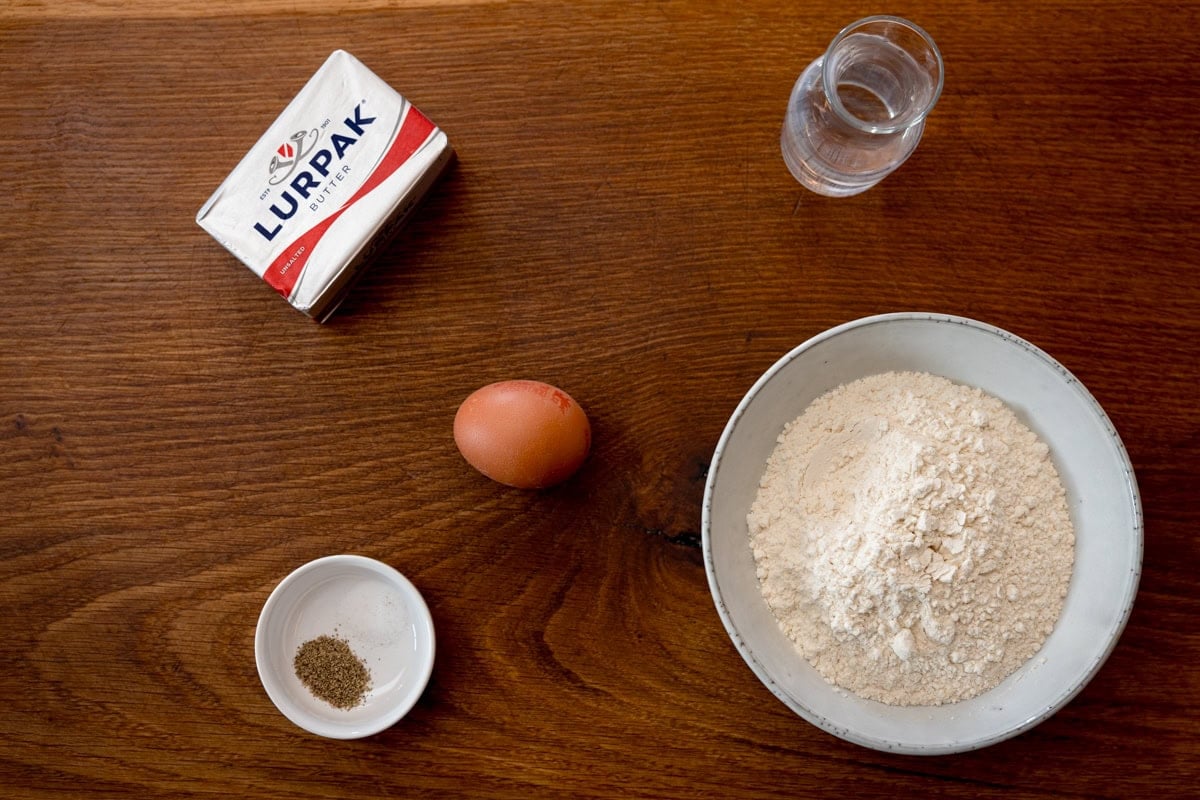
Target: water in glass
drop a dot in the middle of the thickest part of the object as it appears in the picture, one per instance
(858, 111)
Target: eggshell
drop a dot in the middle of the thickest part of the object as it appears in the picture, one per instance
(525, 434)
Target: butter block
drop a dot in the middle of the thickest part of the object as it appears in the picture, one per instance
(331, 181)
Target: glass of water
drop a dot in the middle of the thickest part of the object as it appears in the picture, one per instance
(858, 111)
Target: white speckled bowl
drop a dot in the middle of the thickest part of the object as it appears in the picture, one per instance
(1102, 496)
(377, 611)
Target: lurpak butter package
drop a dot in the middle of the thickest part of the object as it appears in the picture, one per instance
(327, 185)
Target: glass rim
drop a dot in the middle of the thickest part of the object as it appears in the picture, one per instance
(835, 101)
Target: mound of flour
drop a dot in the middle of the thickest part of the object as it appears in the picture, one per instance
(912, 538)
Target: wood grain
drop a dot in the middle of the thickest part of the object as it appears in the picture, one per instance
(41, 10)
(174, 439)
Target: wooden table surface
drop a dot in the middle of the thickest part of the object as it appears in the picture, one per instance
(174, 439)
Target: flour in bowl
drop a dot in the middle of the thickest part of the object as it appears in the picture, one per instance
(912, 538)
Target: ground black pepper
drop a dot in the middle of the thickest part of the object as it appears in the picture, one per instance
(332, 672)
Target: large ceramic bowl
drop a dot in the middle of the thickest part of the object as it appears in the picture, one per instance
(1102, 497)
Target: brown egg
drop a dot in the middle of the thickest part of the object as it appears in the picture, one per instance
(526, 434)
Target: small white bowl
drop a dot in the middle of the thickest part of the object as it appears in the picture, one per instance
(1102, 496)
(377, 611)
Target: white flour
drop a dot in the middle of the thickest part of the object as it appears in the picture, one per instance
(912, 538)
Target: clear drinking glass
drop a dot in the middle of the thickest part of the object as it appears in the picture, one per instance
(858, 111)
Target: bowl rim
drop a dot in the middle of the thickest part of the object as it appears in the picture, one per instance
(389, 715)
(795, 704)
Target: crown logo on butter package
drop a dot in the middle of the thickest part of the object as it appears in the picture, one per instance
(330, 182)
